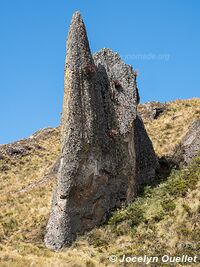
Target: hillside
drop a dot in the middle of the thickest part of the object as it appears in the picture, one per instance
(165, 218)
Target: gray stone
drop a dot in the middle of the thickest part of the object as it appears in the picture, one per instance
(189, 146)
(151, 110)
(105, 151)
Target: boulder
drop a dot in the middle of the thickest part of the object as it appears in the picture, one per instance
(189, 147)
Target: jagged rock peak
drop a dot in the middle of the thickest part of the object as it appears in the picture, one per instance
(105, 151)
(78, 49)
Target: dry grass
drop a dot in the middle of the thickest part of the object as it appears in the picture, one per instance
(23, 215)
(169, 128)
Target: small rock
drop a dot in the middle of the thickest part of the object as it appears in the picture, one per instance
(16, 150)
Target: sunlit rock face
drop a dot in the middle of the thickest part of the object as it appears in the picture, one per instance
(189, 146)
(106, 153)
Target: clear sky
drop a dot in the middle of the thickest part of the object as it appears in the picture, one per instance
(160, 38)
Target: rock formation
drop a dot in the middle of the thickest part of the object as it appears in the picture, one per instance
(106, 153)
(189, 146)
(151, 110)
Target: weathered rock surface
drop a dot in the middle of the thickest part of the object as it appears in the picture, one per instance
(106, 153)
(151, 110)
(25, 146)
(189, 146)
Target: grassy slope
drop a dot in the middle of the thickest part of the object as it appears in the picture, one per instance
(158, 222)
(167, 130)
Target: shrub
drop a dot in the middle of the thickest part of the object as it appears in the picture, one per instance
(136, 215)
(181, 181)
(168, 205)
(159, 216)
(133, 213)
(177, 187)
(97, 238)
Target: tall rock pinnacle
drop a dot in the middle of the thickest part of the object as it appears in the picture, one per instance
(105, 151)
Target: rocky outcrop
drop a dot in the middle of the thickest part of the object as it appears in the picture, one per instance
(26, 146)
(151, 110)
(189, 146)
(105, 151)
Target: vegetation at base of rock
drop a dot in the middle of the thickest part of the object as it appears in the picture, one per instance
(169, 226)
(158, 200)
(167, 219)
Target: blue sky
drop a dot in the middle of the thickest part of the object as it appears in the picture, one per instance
(160, 38)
